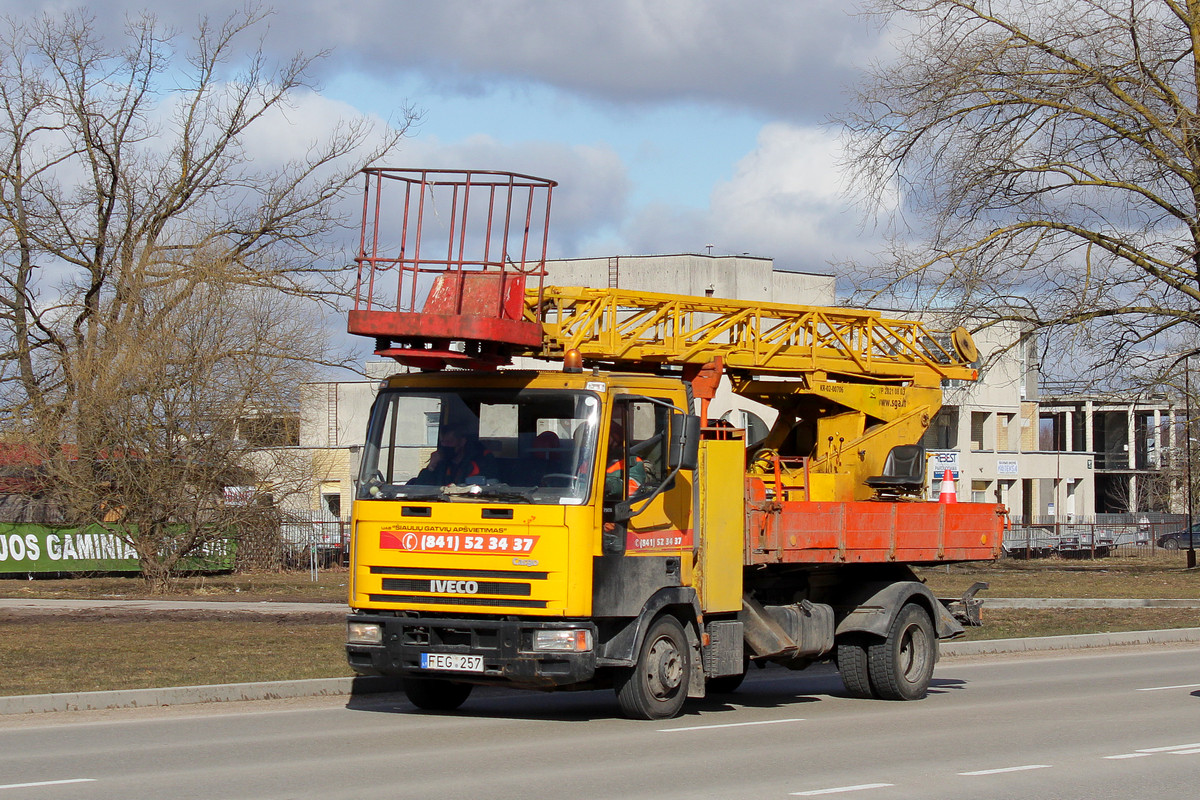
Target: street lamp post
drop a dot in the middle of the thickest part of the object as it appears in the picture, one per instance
(1187, 412)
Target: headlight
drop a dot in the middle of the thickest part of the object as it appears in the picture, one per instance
(364, 633)
(572, 640)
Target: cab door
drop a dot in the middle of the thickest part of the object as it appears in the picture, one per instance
(664, 522)
(655, 544)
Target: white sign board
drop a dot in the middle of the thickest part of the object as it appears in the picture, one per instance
(942, 460)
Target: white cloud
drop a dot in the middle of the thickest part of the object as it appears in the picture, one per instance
(289, 132)
(787, 199)
(593, 183)
(791, 59)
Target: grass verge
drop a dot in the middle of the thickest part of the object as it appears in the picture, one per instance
(1135, 578)
(50, 654)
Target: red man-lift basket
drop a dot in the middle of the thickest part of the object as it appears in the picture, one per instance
(444, 262)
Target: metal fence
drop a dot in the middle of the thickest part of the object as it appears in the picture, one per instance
(315, 541)
(1099, 537)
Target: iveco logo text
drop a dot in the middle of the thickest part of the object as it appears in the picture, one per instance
(525, 562)
(454, 587)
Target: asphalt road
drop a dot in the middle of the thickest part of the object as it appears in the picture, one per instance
(1109, 724)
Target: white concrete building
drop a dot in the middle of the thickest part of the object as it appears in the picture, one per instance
(1133, 444)
(987, 434)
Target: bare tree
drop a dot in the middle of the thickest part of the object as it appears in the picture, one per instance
(156, 287)
(1048, 154)
(189, 401)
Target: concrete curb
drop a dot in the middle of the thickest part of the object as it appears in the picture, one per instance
(220, 606)
(184, 695)
(1058, 603)
(273, 690)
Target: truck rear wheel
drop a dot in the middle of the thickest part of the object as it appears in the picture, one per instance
(901, 666)
(853, 664)
(657, 686)
(431, 694)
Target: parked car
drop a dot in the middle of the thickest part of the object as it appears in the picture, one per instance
(1180, 540)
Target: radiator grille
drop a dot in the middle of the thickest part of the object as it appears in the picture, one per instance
(457, 600)
(432, 585)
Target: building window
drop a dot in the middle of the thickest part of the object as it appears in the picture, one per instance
(270, 430)
(1003, 426)
(978, 427)
(942, 433)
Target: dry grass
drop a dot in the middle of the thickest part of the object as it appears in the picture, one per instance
(1137, 578)
(49, 654)
(1016, 623)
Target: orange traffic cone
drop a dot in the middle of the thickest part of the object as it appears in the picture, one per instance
(948, 494)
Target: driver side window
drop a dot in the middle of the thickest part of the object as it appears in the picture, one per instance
(637, 448)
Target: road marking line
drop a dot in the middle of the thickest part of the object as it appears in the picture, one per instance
(728, 725)
(1128, 755)
(1006, 769)
(839, 789)
(1185, 752)
(46, 783)
(1164, 688)
(1168, 749)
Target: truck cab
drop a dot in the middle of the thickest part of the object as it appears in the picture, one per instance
(510, 526)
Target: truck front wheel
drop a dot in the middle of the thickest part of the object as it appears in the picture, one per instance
(431, 694)
(901, 665)
(657, 686)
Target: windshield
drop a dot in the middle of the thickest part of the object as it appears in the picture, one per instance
(510, 445)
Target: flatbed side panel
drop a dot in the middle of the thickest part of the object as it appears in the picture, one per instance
(873, 532)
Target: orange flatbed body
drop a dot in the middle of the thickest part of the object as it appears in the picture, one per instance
(872, 532)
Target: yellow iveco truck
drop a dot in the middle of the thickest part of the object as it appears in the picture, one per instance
(582, 524)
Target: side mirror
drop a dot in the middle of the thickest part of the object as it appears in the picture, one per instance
(684, 448)
(620, 513)
(354, 463)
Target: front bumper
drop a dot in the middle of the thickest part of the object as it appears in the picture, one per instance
(505, 645)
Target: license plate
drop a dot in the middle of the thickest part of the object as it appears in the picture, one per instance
(454, 662)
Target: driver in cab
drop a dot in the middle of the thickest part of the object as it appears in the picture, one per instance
(458, 458)
(625, 474)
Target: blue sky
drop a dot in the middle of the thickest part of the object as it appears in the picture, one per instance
(670, 125)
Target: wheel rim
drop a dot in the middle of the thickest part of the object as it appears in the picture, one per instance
(664, 668)
(914, 653)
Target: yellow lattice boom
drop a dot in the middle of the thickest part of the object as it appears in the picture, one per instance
(626, 327)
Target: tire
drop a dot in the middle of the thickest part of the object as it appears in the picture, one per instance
(431, 694)
(1170, 544)
(901, 666)
(853, 664)
(657, 686)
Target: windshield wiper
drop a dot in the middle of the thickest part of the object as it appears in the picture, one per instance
(495, 491)
(418, 492)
